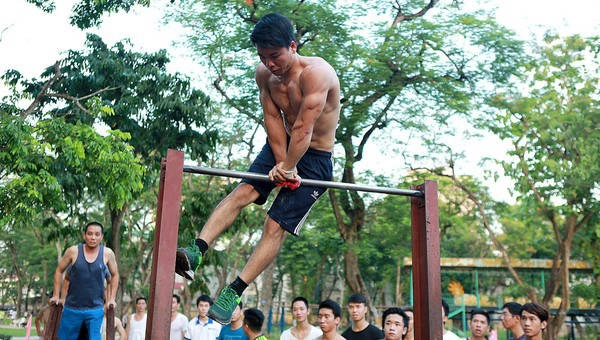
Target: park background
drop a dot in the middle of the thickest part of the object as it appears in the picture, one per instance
(507, 122)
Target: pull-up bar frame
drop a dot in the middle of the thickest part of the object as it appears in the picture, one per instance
(425, 244)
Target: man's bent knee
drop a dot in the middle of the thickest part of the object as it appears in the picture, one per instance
(243, 194)
(273, 228)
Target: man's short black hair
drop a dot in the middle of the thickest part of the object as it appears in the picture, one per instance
(395, 310)
(273, 31)
(446, 307)
(480, 312)
(513, 307)
(357, 298)
(334, 306)
(204, 298)
(254, 319)
(299, 298)
(536, 309)
(96, 223)
(141, 298)
(177, 297)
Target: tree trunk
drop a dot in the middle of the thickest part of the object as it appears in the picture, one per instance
(18, 274)
(398, 285)
(116, 221)
(266, 293)
(352, 272)
(556, 322)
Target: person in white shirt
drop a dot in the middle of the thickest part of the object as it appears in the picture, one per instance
(202, 327)
(136, 324)
(448, 335)
(120, 333)
(303, 329)
(178, 321)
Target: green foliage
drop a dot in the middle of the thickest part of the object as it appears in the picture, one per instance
(524, 233)
(553, 126)
(91, 141)
(137, 95)
(591, 293)
(319, 246)
(88, 13)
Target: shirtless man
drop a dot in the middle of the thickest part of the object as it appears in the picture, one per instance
(300, 97)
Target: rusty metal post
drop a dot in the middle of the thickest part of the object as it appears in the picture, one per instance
(110, 323)
(51, 327)
(426, 263)
(165, 244)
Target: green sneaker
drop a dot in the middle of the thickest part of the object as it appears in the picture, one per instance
(224, 306)
(187, 261)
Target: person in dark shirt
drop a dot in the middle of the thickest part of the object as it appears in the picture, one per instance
(511, 320)
(360, 329)
(85, 300)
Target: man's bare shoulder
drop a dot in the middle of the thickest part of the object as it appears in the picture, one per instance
(317, 70)
(337, 337)
(318, 64)
(109, 253)
(71, 252)
(262, 74)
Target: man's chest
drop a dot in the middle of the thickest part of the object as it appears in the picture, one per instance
(287, 97)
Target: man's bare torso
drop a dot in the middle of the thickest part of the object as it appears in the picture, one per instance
(288, 96)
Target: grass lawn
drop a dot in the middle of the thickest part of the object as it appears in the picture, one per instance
(15, 331)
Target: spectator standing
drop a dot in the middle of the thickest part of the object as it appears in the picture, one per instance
(395, 324)
(330, 314)
(179, 321)
(136, 324)
(120, 333)
(511, 320)
(360, 329)
(252, 324)
(85, 301)
(202, 327)
(410, 333)
(234, 330)
(448, 335)
(303, 329)
(534, 319)
(479, 324)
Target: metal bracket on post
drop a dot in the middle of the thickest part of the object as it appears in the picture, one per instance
(426, 263)
(162, 277)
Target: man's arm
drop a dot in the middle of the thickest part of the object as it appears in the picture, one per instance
(120, 329)
(128, 325)
(114, 278)
(67, 259)
(272, 116)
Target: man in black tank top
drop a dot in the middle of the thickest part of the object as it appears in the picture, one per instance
(90, 262)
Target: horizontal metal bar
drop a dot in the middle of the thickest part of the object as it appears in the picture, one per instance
(307, 182)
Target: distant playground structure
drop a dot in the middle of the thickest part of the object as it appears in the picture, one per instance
(486, 283)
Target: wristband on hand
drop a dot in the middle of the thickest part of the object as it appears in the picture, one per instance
(289, 174)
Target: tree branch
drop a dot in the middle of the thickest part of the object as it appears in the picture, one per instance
(484, 217)
(400, 16)
(38, 99)
(378, 124)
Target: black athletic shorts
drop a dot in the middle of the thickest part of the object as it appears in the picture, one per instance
(291, 207)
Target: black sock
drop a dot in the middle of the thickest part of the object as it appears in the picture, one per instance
(238, 285)
(202, 245)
